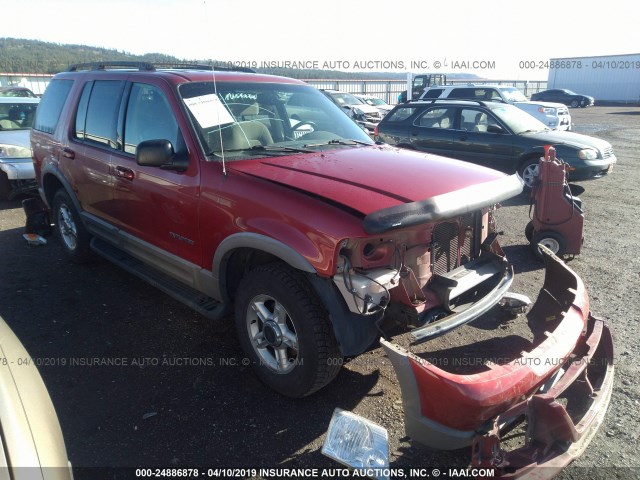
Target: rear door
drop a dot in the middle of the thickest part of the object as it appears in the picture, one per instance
(92, 142)
(432, 130)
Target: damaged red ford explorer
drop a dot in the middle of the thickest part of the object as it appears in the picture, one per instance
(253, 195)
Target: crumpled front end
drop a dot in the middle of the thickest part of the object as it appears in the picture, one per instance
(557, 392)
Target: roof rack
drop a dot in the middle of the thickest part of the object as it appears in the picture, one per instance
(150, 67)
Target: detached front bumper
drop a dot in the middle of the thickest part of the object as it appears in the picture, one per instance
(560, 389)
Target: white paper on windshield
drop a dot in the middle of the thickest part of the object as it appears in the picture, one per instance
(209, 110)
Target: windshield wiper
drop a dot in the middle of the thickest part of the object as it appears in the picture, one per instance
(264, 149)
(338, 141)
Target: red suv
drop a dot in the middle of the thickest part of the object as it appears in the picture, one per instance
(231, 189)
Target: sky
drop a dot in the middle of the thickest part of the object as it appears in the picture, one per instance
(492, 38)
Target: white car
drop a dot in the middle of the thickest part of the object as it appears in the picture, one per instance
(16, 168)
(360, 111)
(556, 116)
(374, 101)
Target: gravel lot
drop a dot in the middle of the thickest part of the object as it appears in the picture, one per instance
(182, 396)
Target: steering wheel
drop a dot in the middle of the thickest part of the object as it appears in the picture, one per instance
(304, 122)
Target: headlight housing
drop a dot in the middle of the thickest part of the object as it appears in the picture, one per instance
(587, 154)
(358, 443)
(14, 151)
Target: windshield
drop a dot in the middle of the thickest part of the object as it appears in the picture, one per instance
(518, 120)
(569, 92)
(346, 99)
(263, 119)
(16, 115)
(374, 101)
(514, 95)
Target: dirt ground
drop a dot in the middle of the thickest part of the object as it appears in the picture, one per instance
(182, 397)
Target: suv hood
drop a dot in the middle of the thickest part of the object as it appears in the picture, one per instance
(16, 137)
(368, 179)
(559, 106)
(364, 107)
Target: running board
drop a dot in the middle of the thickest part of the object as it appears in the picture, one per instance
(198, 301)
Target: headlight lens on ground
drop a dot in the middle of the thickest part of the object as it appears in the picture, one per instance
(358, 443)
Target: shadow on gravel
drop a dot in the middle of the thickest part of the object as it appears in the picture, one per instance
(131, 371)
(633, 112)
(522, 257)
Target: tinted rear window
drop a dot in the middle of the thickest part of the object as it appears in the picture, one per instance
(400, 115)
(50, 106)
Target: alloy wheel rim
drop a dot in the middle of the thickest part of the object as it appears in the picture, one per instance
(530, 173)
(67, 226)
(272, 334)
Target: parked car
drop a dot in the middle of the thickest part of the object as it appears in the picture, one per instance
(554, 115)
(496, 135)
(206, 190)
(17, 92)
(564, 96)
(16, 168)
(374, 101)
(32, 443)
(364, 114)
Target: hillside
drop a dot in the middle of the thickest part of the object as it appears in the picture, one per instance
(34, 56)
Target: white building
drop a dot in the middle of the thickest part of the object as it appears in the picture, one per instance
(614, 78)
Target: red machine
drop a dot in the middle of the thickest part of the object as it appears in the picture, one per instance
(556, 215)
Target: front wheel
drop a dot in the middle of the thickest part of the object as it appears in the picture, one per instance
(285, 331)
(529, 171)
(69, 228)
(574, 103)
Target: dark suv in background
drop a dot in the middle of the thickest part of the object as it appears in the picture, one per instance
(205, 184)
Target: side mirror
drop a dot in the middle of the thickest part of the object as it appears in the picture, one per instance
(159, 153)
(495, 129)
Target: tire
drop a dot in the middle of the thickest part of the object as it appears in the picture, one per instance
(528, 231)
(5, 186)
(574, 103)
(295, 353)
(528, 171)
(69, 228)
(554, 241)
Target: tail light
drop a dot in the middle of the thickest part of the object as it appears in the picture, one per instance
(375, 131)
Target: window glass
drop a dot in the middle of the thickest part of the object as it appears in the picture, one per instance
(401, 114)
(473, 120)
(81, 114)
(149, 117)
(251, 120)
(465, 93)
(433, 93)
(50, 106)
(102, 112)
(437, 118)
(17, 115)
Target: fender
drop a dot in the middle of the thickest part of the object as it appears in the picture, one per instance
(47, 197)
(253, 241)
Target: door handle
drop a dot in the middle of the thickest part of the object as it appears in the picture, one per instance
(124, 172)
(68, 153)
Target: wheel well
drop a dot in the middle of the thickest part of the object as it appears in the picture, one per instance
(51, 185)
(530, 156)
(238, 263)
